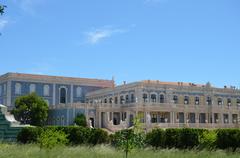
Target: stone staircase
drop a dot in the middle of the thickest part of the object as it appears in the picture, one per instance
(9, 127)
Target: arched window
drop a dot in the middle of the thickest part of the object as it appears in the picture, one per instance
(122, 101)
(186, 100)
(209, 101)
(145, 98)
(161, 98)
(105, 100)
(127, 98)
(153, 98)
(32, 88)
(220, 101)
(132, 98)
(79, 92)
(46, 90)
(197, 101)
(175, 99)
(229, 102)
(63, 95)
(18, 88)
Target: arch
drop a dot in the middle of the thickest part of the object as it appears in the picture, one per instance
(32, 88)
(175, 99)
(197, 100)
(79, 92)
(161, 98)
(18, 88)
(153, 97)
(229, 102)
(220, 101)
(186, 99)
(46, 90)
(63, 95)
(145, 97)
(209, 100)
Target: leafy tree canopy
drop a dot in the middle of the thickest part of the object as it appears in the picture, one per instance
(31, 109)
(2, 8)
(80, 120)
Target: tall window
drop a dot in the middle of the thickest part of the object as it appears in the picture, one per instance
(238, 102)
(46, 90)
(127, 98)
(161, 98)
(153, 98)
(116, 100)
(229, 102)
(209, 101)
(186, 100)
(145, 98)
(79, 92)
(63, 95)
(175, 99)
(18, 88)
(32, 88)
(0, 90)
(122, 101)
(220, 101)
(197, 100)
(132, 98)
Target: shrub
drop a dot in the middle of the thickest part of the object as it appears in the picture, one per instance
(188, 138)
(50, 138)
(29, 135)
(98, 136)
(156, 138)
(208, 139)
(80, 120)
(228, 138)
(172, 137)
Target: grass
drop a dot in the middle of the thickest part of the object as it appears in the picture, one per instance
(33, 151)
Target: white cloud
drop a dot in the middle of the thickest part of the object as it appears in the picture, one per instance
(3, 24)
(96, 35)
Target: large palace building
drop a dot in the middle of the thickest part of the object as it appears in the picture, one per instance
(158, 104)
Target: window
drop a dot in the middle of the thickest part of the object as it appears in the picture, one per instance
(229, 102)
(132, 98)
(18, 88)
(32, 88)
(110, 100)
(116, 100)
(209, 101)
(220, 101)
(105, 100)
(46, 90)
(238, 102)
(154, 118)
(145, 98)
(63, 95)
(225, 118)
(186, 100)
(79, 92)
(153, 98)
(175, 99)
(0, 90)
(161, 98)
(122, 100)
(197, 101)
(127, 98)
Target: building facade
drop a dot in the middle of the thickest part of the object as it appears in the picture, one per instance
(158, 104)
(166, 104)
(60, 93)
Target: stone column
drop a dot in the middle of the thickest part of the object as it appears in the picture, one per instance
(71, 95)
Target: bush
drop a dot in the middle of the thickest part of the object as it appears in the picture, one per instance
(208, 139)
(98, 136)
(228, 138)
(29, 135)
(172, 137)
(156, 138)
(50, 138)
(80, 120)
(188, 138)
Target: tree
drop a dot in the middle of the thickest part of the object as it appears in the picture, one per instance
(80, 120)
(2, 8)
(31, 109)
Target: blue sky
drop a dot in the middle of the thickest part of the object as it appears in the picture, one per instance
(168, 40)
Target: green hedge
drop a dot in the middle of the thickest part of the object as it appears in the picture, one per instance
(75, 135)
(157, 138)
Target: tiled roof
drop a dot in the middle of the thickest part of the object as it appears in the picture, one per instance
(84, 81)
